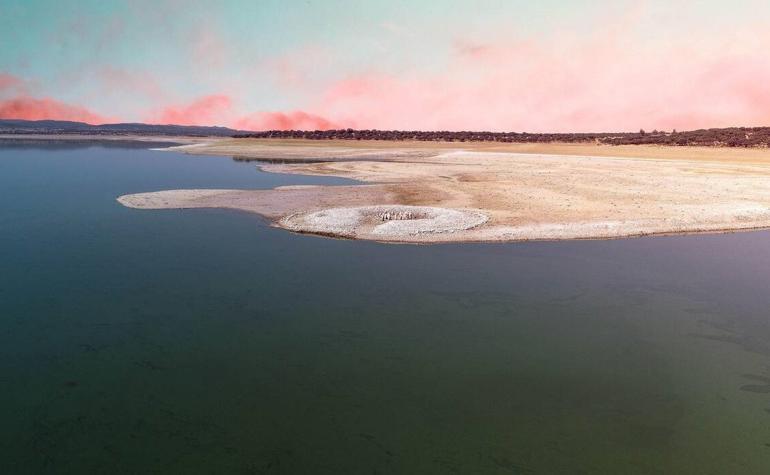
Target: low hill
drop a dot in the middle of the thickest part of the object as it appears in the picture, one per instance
(14, 126)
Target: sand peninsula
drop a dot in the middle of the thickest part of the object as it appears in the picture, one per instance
(420, 192)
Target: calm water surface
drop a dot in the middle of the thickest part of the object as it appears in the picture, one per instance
(203, 341)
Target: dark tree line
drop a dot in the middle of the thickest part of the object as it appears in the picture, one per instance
(424, 136)
(727, 137)
(757, 137)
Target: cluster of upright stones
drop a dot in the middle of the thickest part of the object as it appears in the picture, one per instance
(396, 215)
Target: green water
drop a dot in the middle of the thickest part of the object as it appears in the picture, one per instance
(203, 341)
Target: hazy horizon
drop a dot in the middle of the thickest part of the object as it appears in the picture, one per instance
(554, 66)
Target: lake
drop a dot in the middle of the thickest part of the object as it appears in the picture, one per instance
(205, 341)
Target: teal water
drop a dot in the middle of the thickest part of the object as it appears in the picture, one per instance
(203, 341)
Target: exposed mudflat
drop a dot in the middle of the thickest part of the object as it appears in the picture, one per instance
(464, 192)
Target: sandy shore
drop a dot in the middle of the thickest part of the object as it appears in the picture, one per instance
(427, 192)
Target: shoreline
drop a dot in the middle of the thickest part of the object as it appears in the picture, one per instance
(446, 238)
(318, 149)
(522, 196)
(171, 139)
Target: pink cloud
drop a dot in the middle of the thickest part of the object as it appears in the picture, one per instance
(30, 108)
(10, 82)
(294, 120)
(209, 49)
(293, 71)
(619, 74)
(123, 81)
(614, 76)
(214, 109)
(565, 85)
(219, 109)
(16, 103)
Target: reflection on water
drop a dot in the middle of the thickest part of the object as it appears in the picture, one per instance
(204, 342)
(277, 161)
(75, 143)
(285, 161)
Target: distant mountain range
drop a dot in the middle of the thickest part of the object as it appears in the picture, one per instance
(15, 126)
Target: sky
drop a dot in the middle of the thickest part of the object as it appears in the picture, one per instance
(526, 66)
